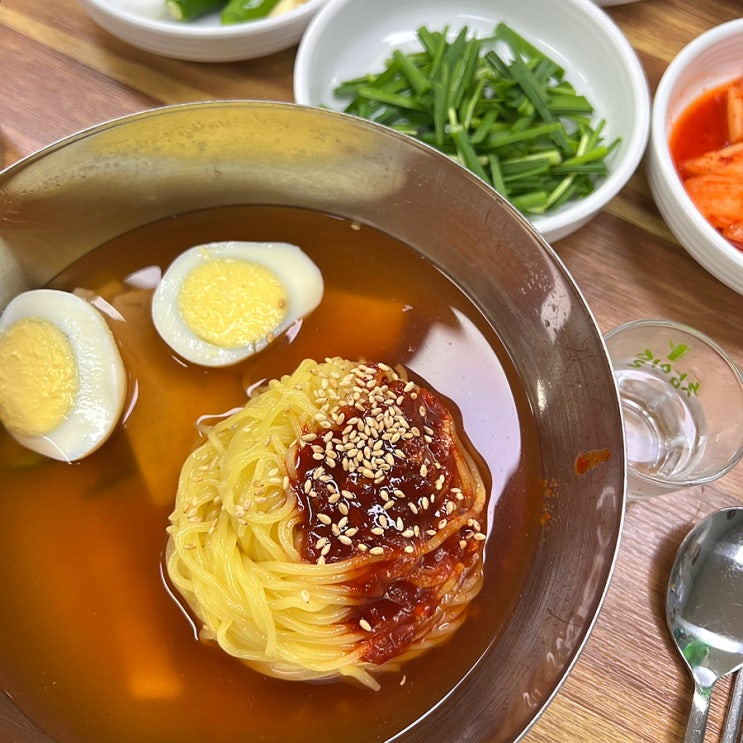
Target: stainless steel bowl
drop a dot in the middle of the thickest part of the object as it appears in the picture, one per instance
(177, 159)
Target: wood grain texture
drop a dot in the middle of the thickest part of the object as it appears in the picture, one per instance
(61, 73)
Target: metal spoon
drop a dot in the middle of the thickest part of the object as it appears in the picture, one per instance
(734, 714)
(704, 607)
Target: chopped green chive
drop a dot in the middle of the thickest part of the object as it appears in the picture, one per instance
(499, 106)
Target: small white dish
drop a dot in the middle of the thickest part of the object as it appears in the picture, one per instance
(349, 38)
(141, 24)
(710, 60)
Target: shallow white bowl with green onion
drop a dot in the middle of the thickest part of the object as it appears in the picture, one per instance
(148, 25)
(349, 39)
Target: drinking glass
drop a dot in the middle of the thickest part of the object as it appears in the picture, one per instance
(682, 406)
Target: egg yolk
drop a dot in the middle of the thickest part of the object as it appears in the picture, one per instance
(38, 377)
(232, 303)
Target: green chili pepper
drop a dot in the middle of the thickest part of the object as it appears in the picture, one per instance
(238, 11)
(188, 10)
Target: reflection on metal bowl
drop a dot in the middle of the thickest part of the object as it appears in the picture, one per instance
(127, 173)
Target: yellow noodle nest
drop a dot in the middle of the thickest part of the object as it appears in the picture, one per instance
(233, 546)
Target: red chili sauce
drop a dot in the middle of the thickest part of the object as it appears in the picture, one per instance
(701, 127)
(379, 486)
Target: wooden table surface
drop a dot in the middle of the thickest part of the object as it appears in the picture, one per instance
(60, 73)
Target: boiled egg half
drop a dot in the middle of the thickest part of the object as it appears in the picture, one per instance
(62, 380)
(219, 303)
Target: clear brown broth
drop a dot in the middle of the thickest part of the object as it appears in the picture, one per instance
(95, 649)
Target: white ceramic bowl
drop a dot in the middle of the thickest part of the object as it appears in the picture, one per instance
(348, 38)
(144, 24)
(710, 60)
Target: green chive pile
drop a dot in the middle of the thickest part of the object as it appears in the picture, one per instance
(514, 120)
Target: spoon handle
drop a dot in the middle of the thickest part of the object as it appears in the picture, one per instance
(697, 722)
(735, 710)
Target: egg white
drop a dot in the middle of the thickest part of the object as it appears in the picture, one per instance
(101, 394)
(300, 277)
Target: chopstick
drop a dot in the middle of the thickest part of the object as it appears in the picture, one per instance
(734, 712)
